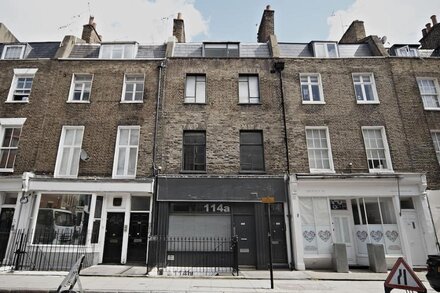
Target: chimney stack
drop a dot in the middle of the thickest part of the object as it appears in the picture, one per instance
(431, 35)
(179, 28)
(267, 25)
(434, 20)
(89, 33)
(354, 34)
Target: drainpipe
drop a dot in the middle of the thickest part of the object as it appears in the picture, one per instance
(278, 67)
(155, 168)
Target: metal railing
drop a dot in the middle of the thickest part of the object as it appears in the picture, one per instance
(45, 251)
(193, 256)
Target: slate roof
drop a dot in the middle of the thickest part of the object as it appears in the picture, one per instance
(37, 49)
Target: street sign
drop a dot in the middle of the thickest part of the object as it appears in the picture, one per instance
(403, 277)
(268, 199)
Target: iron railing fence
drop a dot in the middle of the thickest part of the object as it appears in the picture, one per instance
(45, 251)
(193, 256)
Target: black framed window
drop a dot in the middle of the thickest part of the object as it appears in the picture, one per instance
(194, 151)
(251, 151)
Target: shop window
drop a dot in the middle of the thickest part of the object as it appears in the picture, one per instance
(375, 222)
(316, 228)
(10, 198)
(62, 219)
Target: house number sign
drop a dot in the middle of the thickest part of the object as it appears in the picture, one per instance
(216, 208)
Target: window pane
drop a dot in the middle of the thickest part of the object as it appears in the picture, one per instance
(132, 161)
(121, 162)
(305, 92)
(331, 48)
(194, 151)
(243, 91)
(315, 92)
(373, 214)
(190, 86)
(200, 91)
(134, 137)
(62, 219)
(123, 137)
(358, 92)
(253, 86)
(75, 162)
(64, 161)
(369, 92)
(251, 151)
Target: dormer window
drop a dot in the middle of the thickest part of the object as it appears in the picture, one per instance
(13, 52)
(221, 50)
(407, 51)
(117, 51)
(325, 50)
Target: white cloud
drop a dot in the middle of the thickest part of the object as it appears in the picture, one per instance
(145, 21)
(401, 21)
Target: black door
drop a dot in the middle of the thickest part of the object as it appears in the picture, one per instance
(137, 238)
(6, 216)
(113, 238)
(279, 247)
(245, 230)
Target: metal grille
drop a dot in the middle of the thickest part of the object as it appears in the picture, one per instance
(53, 255)
(193, 256)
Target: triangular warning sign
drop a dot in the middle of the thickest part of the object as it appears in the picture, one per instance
(403, 277)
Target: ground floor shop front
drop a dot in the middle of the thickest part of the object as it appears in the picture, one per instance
(387, 209)
(216, 208)
(52, 219)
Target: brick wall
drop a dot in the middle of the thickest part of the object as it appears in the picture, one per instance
(222, 117)
(47, 111)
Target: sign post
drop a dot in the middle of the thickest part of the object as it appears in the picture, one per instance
(268, 200)
(403, 277)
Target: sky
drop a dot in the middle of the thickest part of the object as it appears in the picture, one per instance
(150, 21)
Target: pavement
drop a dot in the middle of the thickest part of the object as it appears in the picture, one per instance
(106, 278)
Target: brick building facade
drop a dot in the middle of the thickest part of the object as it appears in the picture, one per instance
(129, 141)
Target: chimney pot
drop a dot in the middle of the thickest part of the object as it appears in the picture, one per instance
(424, 32)
(179, 15)
(434, 20)
(94, 25)
(91, 19)
(268, 7)
(428, 27)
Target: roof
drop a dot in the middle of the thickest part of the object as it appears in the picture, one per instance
(37, 49)
(92, 51)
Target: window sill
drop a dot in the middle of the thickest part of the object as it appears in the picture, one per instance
(321, 171)
(313, 103)
(251, 172)
(17, 102)
(245, 104)
(367, 102)
(123, 177)
(191, 103)
(78, 102)
(432, 109)
(65, 176)
(192, 172)
(381, 171)
(7, 170)
(132, 102)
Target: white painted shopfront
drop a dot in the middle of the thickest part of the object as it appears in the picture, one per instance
(356, 209)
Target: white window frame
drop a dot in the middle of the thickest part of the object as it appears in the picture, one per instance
(325, 47)
(386, 150)
(127, 152)
(329, 150)
(21, 73)
(247, 99)
(362, 83)
(60, 153)
(407, 51)
(435, 134)
(309, 84)
(72, 88)
(122, 46)
(6, 47)
(124, 88)
(193, 100)
(437, 88)
(10, 123)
